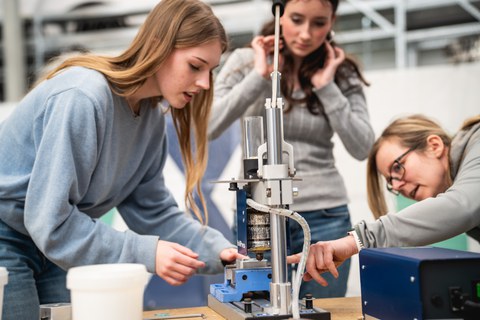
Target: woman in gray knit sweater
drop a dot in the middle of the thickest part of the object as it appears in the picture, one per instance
(324, 96)
(419, 160)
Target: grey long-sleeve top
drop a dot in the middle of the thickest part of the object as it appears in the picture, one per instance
(451, 213)
(240, 91)
(71, 151)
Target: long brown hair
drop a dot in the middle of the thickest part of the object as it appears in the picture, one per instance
(309, 66)
(172, 24)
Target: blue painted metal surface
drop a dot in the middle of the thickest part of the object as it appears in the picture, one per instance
(242, 223)
(246, 280)
(414, 283)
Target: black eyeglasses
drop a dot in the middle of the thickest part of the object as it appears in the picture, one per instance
(397, 171)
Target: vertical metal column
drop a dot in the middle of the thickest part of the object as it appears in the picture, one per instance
(13, 52)
(400, 37)
(279, 293)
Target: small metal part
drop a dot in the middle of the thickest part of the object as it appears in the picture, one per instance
(268, 192)
(258, 230)
(251, 264)
(309, 301)
(258, 218)
(233, 186)
(56, 311)
(295, 191)
(180, 316)
(247, 305)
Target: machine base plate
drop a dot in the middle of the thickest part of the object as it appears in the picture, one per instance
(235, 311)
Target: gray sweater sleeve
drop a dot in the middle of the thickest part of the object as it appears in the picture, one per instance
(67, 146)
(65, 161)
(347, 113)
(237, 87)
(434, 219)
(71, 152)
(151, 209)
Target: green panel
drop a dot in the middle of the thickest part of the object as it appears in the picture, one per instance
(108, 217)
(459, 242)
(403, 202)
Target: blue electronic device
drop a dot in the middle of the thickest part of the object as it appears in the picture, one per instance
(420, 283)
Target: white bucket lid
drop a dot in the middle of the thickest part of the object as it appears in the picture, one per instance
(107, 276)
(3, 276)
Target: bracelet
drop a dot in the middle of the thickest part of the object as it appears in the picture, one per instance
(358, 242)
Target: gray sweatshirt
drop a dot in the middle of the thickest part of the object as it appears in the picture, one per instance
(451, 213)
(70, 152)
(240, 91)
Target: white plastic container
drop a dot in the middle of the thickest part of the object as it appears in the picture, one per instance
(107, 291)
(3, 282)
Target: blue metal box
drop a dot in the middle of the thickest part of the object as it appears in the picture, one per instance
(420, 283)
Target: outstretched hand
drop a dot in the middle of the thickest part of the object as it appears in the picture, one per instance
(175, 263)
(326, 256)
(229, 255)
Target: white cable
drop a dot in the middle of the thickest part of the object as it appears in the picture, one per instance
(297, 276)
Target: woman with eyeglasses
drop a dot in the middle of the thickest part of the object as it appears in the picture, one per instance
(420, 161)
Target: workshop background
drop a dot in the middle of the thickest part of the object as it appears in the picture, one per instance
(420, 56)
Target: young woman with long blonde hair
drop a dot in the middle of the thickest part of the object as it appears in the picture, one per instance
(90, 137)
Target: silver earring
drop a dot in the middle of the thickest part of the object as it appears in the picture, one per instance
(330, 36)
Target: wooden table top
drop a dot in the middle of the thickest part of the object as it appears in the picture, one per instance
(349, 308)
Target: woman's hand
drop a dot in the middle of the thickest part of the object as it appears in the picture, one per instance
(175, 263)
(229, 255)
(326, 256)
(323, 76)
(263, 47)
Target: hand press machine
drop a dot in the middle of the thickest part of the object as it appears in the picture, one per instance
(256, 288)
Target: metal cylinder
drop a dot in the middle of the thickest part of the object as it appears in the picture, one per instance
(253, 136)
(278, 231)
(274, 135)
(258, 230)
(280, 298)
(308, 301)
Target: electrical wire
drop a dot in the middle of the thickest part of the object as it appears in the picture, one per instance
(297, 276)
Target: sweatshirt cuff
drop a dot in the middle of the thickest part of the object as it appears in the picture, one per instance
(214, 246)
(358, 228)
(358, 242)
(148, 252)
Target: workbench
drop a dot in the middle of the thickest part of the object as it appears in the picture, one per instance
(340, 309)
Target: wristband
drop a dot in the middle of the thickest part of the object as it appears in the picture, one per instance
(358, 242)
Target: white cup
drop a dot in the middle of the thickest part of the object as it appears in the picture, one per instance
(3, 282)
(107, 291)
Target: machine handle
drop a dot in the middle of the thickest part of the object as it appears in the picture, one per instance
(280, 3)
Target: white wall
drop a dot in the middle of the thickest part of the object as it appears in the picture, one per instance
(449, 94)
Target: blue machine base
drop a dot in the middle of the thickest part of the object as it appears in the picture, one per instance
(247, 280)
